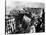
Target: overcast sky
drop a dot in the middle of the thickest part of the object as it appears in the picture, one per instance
(11, 4)
(18, 2)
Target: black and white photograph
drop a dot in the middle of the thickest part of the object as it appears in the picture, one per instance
(24, 17)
